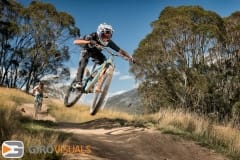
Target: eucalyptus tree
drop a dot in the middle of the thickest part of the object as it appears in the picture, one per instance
(49, 30)
(39, 45)
(232, 59)
(174, 57)
(8, 30)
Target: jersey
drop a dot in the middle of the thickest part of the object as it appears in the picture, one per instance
(37, 90)
(94, 36)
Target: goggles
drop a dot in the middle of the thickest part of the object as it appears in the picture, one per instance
(107, 32)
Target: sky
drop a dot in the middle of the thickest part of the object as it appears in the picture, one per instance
(131, 20)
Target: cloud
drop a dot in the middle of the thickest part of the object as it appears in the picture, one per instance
(126, 77)
(136, 85)
(116, 93)
(86, 99)
(116, 73)
(73, 72)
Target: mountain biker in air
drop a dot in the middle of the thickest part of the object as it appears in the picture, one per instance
(101, 38)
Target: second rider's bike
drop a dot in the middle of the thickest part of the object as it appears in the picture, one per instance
(37, 104)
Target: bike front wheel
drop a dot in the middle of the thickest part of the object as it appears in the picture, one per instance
(37, 106)
(72, 95)
(100, 96)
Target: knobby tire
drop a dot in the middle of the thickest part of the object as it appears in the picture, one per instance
(70, 90)
(99, 97)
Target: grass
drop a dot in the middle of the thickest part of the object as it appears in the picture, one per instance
(222, 138)
(15, 127)
(35, 132)
(80, 113)
(14, 96)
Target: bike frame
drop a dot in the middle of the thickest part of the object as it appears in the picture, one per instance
(37, 103)
(96, 73)
(97, 82)
(38, 99)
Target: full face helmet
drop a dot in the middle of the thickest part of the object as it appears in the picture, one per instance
(104, 32)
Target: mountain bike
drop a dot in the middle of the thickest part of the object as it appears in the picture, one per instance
(37, 104)
(100, 77)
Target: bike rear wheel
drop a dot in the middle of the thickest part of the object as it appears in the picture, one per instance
(37, 106)
(100, 96)
(72, 95)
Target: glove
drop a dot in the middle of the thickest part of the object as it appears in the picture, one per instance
(131, 59)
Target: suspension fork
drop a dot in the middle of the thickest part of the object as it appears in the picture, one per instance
(101, 78)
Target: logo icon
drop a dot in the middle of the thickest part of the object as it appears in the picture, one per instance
(12, 149)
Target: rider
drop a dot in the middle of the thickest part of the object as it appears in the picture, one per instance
(100, 38)
(38, 91)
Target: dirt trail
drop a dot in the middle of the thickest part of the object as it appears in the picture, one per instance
(108, 140)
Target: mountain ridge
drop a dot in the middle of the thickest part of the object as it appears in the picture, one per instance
(128, 101)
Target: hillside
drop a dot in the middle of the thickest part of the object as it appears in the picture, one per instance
(129, 102)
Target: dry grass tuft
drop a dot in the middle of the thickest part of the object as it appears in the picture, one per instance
(222, 138)
(80, 113)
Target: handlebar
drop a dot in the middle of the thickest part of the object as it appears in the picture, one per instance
(83, 42)
(44, 96)
(124, 57)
